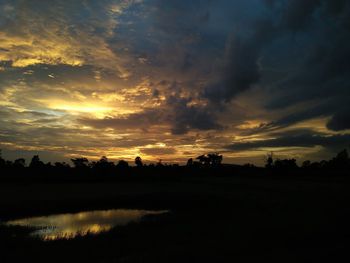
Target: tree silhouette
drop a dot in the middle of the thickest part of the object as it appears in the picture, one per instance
(122, 164)
(340, 163)
(36, 162)
(203, 159)
(269, 160)
(287, 164)
(215, 159)
(2, 161)
(341, 160)
(80, 162)
(138, 161)
(19, 163)
(189, 162)
(306, 164)
(211, 159)
(159, 163)
(62, 165)
(103, 163)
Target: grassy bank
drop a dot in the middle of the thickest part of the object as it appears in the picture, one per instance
(245, 219)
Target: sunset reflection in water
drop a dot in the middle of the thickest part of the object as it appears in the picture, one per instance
(80, 224)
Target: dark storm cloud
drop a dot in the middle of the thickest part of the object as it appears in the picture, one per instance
(176, 113)
(339, 121)
(240, 73)
(157, 67)
(322, 110)
(186, 117)
(192, 28)
(322, 59)
(298, 139)
(323, 74)
(298, 14)
(198, 40)
(181, 17)
(334, 107)
(241, 68)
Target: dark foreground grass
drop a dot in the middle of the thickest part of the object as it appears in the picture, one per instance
(212, 220)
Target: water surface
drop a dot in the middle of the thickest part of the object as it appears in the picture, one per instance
(70, 225)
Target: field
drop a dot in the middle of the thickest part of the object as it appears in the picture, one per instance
(239, 218)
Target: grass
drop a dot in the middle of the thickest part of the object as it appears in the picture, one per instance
(240, 219)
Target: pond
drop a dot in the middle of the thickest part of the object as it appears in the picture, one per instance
(71, 225)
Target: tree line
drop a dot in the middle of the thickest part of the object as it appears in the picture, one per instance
(205, 162)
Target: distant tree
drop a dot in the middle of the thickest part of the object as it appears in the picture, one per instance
(315, 165)
(306, 164)
(103, 159)
(19, 163)
(48, 165)
(210, 159)
(215, 159)
(159, 163)
(138, 161)
(103, 163)
(197, 164)
(189, 162)
(36, 162)
(340, 161)
(2, 161)
(203, 159)
(61, 165)
(323, 164)
(286, 164)
(91, 164)
(122, 164)
(81, 162)
(343, 156)
(269, 160)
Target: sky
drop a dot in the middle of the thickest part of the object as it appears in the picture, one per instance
(174, 79)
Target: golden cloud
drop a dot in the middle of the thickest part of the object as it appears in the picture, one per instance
(42, 38)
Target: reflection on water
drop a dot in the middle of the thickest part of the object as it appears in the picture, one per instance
(70, 225)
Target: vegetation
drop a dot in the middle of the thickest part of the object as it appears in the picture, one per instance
(219, 212)
(203, 165)
(226, 219)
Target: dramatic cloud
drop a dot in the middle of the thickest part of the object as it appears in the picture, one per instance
(174, 79)
(340, 121)
(295, 139)
(176, 113)
(60, 32)
(322, 76)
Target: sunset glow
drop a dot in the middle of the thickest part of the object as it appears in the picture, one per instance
(170, 81)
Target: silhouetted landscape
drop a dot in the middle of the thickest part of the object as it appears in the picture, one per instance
(204, 165)
(217, 212)
(174, 131)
